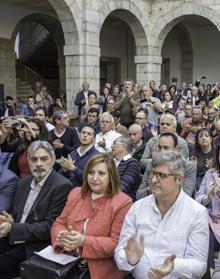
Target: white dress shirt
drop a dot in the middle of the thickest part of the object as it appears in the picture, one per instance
(109, 138)
(183, 231)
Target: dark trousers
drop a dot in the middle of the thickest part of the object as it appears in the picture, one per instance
(10, 258)
(214, 246)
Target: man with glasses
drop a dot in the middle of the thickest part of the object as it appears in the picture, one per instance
(165, 235)
(141, 119)
(169, 142)
(168, 123)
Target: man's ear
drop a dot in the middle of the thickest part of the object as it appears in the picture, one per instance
(180, 179)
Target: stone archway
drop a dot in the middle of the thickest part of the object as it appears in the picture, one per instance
(53, 26)
(172, 20)
(167, 21)
(128, 12)
(184, 41)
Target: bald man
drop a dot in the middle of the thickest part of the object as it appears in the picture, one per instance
(135, 134)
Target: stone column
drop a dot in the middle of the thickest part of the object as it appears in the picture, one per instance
(148, 67)
(80, 68)
(62, 73)
(7, 67)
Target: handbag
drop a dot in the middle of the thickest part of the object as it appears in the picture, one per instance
(37, 267)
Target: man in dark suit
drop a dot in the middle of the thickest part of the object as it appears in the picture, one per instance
(8, 183)
(39, 199)
(82, 97)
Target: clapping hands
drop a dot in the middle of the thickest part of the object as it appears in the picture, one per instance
(163, 270)
(70, 239)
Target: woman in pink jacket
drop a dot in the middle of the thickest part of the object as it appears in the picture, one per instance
(92, 218)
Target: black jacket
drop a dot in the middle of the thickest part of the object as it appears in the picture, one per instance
(35, 232)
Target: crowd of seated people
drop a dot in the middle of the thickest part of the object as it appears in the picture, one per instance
(74, 187)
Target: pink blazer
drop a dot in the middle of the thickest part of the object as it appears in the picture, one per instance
(102, 232)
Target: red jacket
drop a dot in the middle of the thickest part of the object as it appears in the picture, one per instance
(102, 232)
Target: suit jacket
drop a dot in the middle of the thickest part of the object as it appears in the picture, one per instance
(8, 183)
(138, 152)
(102, 231)
(80, 101)
(11, 111)
(35, 232)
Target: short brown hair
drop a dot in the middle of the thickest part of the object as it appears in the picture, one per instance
(114, 185)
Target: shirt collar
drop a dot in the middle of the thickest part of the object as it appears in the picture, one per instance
(34, 183)
(85, 151)
(126, 157)
(176, 203)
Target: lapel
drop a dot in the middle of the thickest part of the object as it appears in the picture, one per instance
(45, 188)
(22, 197)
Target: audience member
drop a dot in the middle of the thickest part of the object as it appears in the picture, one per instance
(64, 138)
(41, 114)
(203, 154)
(119, 128)
(7, 109)
(92, 218)
(135, 134)
(152, 104)
(160, 236)
(39, 199)
(107, 135)
(31, 130)
(43, 98)
(28, 109)
(8, 184)
(169, 142)
(73, 166)
(209, 196)
(125, 104)
(141, 119)
(82, 97)
(168, 123)
(92, 119)
(92, 99)
(128, 167)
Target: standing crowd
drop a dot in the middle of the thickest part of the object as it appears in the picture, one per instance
(133, 189)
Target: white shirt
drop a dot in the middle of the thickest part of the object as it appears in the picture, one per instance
(49, 126)
(109, 138)
(125, 158)
(183, 231)
(32, 196)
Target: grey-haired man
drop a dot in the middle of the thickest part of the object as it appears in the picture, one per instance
(39, 199)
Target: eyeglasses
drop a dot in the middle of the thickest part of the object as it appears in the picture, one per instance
(140, 118)
(160, 175)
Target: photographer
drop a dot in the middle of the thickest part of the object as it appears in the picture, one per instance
(29, 131)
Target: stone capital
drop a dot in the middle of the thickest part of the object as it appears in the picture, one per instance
(143, 59)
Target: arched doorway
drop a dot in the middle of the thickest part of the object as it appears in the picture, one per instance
(40, 43)
(117, 51)
(122, 41)
(194, 30)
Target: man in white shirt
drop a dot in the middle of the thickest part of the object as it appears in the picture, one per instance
(107, 135)
(165, 235)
